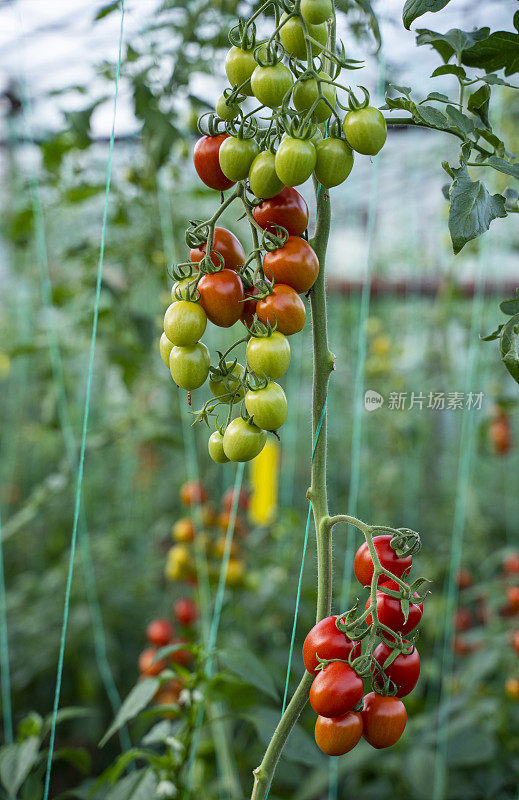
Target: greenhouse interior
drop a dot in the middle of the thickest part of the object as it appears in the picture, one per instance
(259, 438)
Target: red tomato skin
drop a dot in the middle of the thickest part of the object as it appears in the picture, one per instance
(207, 163)
(463, 620)
(500, 435)
(464, 579)
(511, 564)
(390, 613)
(243, 499)
(192, 493)
(336, 690)
(225, 243)
(183, 657)
(326, 641)
(384, 720)
(404, 671)
(147, 667)
(159, 632)
(249, 306)
(294, 264)
(337, 736)
(185, 611)
(221, 297)
(363, 564)
(283, 306)
(288, 209)
(512, 596)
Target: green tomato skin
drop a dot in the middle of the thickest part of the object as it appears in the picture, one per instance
(306, 93)
(263, 179)
(184, 323)
(270, 84)
(243, 441)
(334, 162)
(365, 130)
(189, 366)
(268, 407)
(227, 111)
(239, 66)
(181, 288)
(295, 161)
(316, 11)
(236, 156)
(165, 347)
(269, 355)
(293, 38)
(231, 383)
(215, 447)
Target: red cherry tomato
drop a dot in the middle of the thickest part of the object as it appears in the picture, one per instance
(147, 667)
(183, 657)
(390, 612)
(336, 690)
(404, 671)
(243, 499)
(500, 435)
(185, 611)
(283, 306)
(288, 209)
(221, 296)
(464, 579)
(363, 564)
(383, 719)
(207, 162)
(463, 619)
(512, 596)
(339, 735)
(326, 641)
(515, 641)
(225, 243)
(192, 493)
(294, 264)
(159, 632)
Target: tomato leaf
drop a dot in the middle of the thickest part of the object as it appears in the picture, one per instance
(510, 307)
(138, 699)
(478, 103)
(16, 761)
(248, 667)
(503, 166)
(416, 8)
(472, 209)
(139, 785)
(509, 346)
(498, 51)
(451, 43)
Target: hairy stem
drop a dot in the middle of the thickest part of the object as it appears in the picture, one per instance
(323, 366)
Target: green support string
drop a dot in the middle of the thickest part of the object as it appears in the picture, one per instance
(85, 427)
(66, 426)
(5, 674)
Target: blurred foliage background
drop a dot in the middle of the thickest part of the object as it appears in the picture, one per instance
(427, 311)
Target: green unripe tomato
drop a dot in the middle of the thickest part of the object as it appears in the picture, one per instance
(230, 387)
(236, 156)
(365, 130)
(268, 355)
(314, 12)
(306, 93)
(215, 447)
(239, 66)
(243, 441)
(263, 179)
(334, 162)
(165, 347)
(184, 323)
(227, 111)
(295, 161)
(270, 84)
(267, 407)
(189, 366)
(293, 37)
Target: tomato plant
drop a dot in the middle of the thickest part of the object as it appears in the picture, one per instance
(384, 720)
(184, 323)
(236, 156)
(404, 671)
(363, 563)
(269, 355)
(221, 295)
(334, 162)
(267, 406)
(365, 130)
(339, 735)
(326, 641)
(270, 84)
(189, 366)
(226, 244)
(263, 179)
(282, 308)
(243, 441)
(335, 690)
(390, 612)
(295, 160)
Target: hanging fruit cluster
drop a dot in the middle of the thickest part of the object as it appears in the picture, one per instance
(161, 633)
(345, 652)
(260, 152)
(211, 534)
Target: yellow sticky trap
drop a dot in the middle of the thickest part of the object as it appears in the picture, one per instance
(264, 480)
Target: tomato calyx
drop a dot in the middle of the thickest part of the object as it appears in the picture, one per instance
(209, 124)
(243, 35)
(269, 54)
(404, 541)
(246, 128)
(274, 240)
(355, 104)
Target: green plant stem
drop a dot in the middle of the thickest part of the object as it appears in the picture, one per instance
(409, 121)
(323, 366)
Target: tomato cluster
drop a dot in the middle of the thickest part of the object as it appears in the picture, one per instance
(210, 533)
(161, 633)
(344, 653)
